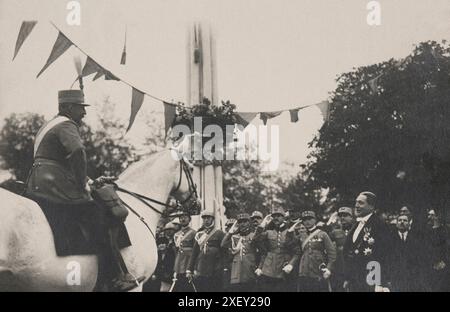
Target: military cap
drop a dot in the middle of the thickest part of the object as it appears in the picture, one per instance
(243, 216)
(169, 226)
(71, 97)
(257, 214)
(346, 210)
(230, 222)
(207, 214)
(308, 214)
(278, 211)
(183, 213)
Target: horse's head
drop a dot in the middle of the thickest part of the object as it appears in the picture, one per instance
(163, 174)
(186, 190)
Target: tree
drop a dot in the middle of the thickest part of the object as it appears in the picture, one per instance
(388, 132)
(17, 137)
(248, 188)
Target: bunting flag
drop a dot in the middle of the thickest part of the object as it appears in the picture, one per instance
(324, 109)
(245, 118)
(268, 115)
(170, 111)
(91, 67)
(99, 74)
(123, 59)
(61, 45)
(294, 114)
(137, 98)
(25, 30)
(110, 76)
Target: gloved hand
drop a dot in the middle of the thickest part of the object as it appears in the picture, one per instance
(100, 181)
(326, 273)
(234, 228)
(266, 221)
(189, 275)
(258, 272)
(287, 268)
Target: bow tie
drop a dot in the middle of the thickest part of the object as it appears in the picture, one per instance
(361, 220)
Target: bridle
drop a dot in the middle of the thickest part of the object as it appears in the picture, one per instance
(184, 167)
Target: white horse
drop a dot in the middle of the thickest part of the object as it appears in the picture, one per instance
(28, 260)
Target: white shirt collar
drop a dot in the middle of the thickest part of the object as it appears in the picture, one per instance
(364, 219)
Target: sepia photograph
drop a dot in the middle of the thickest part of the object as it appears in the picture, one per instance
(240, 148)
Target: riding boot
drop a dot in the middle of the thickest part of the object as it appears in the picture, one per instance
(122, 280)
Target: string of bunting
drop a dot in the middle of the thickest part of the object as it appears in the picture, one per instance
(63, 43)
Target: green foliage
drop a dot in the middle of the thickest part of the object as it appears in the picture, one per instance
(392, 140)
(17, 137)
(221, 115)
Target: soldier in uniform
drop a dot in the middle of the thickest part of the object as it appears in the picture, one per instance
(243, 248)
(338, 235)
(292, 223)
(184, 243)
(162, 277)
(318, 256)
(256, 218)
(228, 257)
(277, 259)
(206, 263)
(58, 182)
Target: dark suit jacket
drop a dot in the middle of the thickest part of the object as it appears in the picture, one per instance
(374, 243)
(409, 260)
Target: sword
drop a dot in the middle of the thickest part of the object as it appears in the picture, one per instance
(174, 281)
(193, 285)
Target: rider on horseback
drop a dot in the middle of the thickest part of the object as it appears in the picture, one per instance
(58, 180)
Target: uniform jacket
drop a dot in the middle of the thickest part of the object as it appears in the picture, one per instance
(59, 170)
(373, 243)
(317, 251)
(244, 252)
(166, 258)
(206, 258)
(276, 245)
(184, 243)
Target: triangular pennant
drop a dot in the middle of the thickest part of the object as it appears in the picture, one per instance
(25, 30)
(137, 98)
(98, 75)
(170, 111)
(324, 109)
(61, 45)
(245, 118)
(269, 115)
(123, 59)
(294, 114)
(91, 67)
(110, 76)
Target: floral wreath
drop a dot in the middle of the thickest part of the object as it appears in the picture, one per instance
(222, 116)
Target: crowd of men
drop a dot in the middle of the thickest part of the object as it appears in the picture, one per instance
(353, 249)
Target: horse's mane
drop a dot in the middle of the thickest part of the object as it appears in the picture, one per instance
(146, 162)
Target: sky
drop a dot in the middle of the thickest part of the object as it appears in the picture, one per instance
(271, 55)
